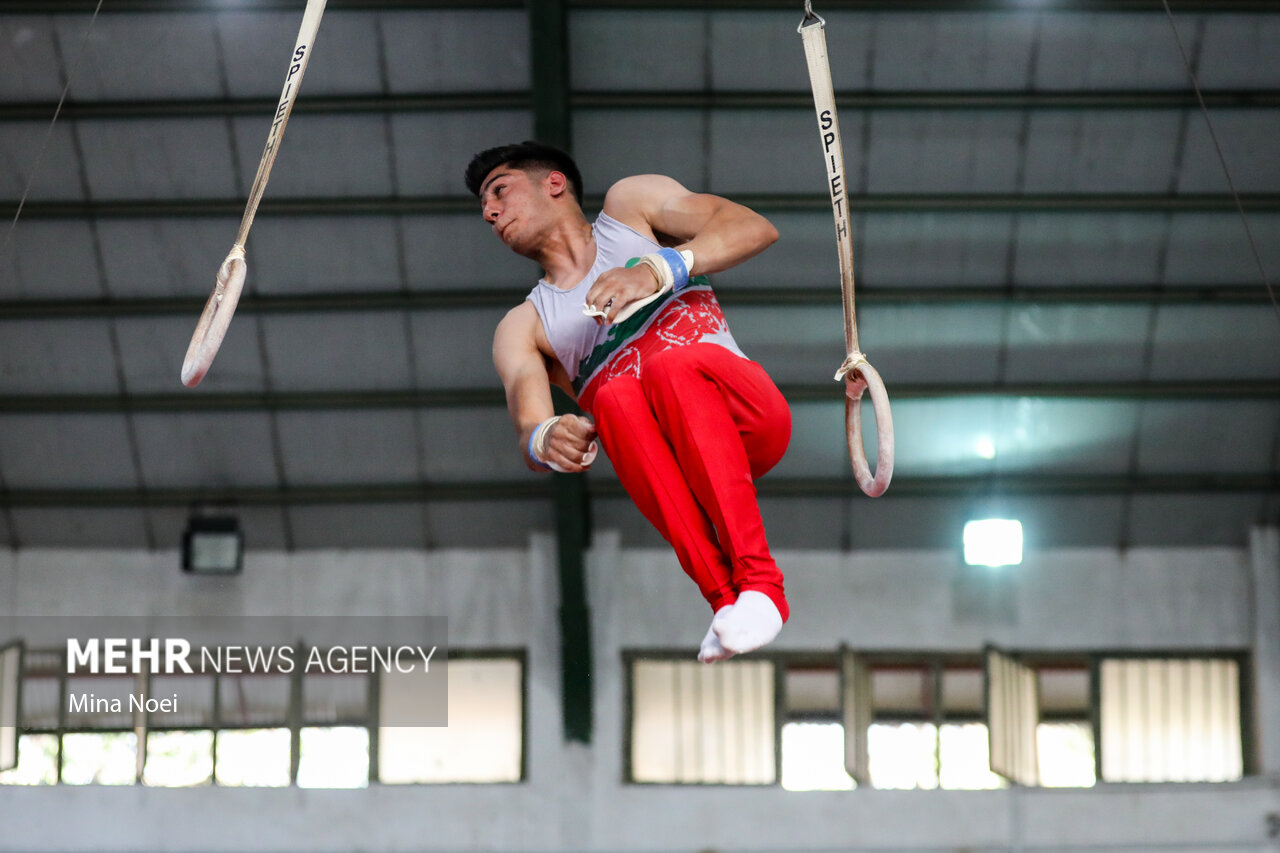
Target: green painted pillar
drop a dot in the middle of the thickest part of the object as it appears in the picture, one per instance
(549, 59)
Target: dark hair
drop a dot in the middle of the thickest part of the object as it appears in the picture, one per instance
(523, 156)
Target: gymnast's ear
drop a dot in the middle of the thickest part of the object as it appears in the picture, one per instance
(557, 184)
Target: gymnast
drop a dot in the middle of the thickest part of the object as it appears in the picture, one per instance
(621, 322)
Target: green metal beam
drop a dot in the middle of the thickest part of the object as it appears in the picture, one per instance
(1013, 6)
(790, 297)
(549, 49)
(75, 7)
(1125, 100)
(294, 303)
(1046, 485)
(184, 109)
(1087, 203)
(26, 7)
(355, 301)
(191, 402)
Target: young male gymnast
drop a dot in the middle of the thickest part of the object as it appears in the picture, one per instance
(687, 420)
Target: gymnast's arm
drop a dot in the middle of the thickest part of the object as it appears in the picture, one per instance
(720, 233)
(523, 368)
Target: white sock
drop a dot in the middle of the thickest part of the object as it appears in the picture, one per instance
(711, 650)
(752, 622)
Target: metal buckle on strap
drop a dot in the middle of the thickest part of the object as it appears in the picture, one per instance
(810, 17)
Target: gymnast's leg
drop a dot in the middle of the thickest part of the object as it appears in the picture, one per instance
(649, 472)
(727, 424)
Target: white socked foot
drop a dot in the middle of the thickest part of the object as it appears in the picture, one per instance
(711, 649)
(753, 621)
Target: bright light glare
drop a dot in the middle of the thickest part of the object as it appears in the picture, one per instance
(985, 447)
(993, 542)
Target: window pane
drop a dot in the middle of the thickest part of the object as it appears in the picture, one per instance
(902, 691)
(962, 691)
(1174, 720)
(40, 700)
(335, 699)
(334, 758)
(693, 723)
(813, 691)
(1066, 755)
(1013, 711)
(1064, 691)
(37, 762)
(903, 755)
(107, 758)
(10, 684)
(260, 700)
(253, 758)
(964, 758)
(483, 741)
(813, 757)
(178, 759)
(191, 696)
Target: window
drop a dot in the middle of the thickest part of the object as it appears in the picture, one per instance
(179, 744)
(10, 697)
(813, 737)
(484, 739)
(271, 728)
(37, 762)
(253, 758)
(926, 721)
(1065, 754)
(333, 745)
(178, 759)
(1064, 735)
(813, 757)
(253, 743)
(928, 728)
(694, 723)
(1170, 719)
(333, 757)
(99, 758)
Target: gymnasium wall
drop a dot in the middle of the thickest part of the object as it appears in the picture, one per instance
(574, 799)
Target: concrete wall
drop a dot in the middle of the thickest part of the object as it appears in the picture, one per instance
(574, 799)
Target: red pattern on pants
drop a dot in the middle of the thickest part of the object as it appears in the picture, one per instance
(687, 437)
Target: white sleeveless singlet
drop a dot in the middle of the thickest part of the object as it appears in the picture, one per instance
(592, 353)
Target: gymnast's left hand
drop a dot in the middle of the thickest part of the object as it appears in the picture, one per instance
(619, 286)
(572, 444)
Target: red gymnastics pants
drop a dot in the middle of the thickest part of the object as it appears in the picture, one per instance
(687, 439)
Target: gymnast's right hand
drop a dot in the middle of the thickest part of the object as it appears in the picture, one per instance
(568, 444)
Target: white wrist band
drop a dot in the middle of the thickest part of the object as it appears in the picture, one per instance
(538, 447)
(667, 280)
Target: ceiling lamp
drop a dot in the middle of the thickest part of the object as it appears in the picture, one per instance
(993, 542)
(212, 545)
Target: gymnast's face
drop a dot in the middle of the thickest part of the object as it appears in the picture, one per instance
(519, 206)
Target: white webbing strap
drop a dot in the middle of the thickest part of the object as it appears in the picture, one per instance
(824, 104)
(856, 371)
(221, 305)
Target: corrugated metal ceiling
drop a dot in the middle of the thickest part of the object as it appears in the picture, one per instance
(1053, 278)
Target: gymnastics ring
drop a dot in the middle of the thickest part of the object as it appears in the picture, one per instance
(215, 318)
(861, 376)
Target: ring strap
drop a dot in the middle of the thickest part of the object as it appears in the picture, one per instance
(856, 371)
